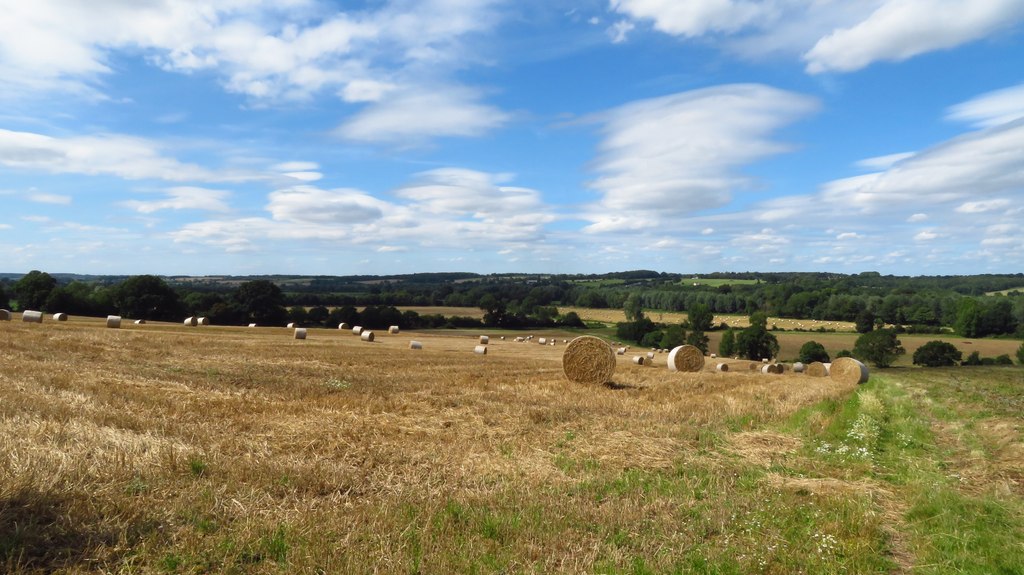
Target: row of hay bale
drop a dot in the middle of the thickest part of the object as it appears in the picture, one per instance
(591, 360)
(194, 321)
(33, 316)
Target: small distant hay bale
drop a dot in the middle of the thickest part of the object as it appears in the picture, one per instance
(722, 367)
(300, 333)
(639, 360)
(357, 330)
(32, 316)
(393, 330)
(650, 355)
(484, 340)
(754, 366)
(816, 369)
(415, 345)
(621, 351)
(764, 360)
(203, 321)
(520, 339)
(798, 367)
(502, 338)
(140, 322)
(252, 325)
(588, 360)
(344, 325)
(5, 315)
(685, 358)
(713, 356)
(113, 321)
(551, 343)
(480, 350)
(543, 341)
(291, 325)
(60, 317)
(848, 370)
(772, 368)
(366, 335)
(191, 321)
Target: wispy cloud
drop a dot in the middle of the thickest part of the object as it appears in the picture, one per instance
(183, 198)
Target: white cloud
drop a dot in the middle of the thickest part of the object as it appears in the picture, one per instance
(991, 109)
(391, 249)
(296, 166)
(56, 199)
(926, 235)
(305, 176)
(983, 206)
(914, 218)
(620, 30)
(407, 118)
(5, 226)
(848, 236)
(183, 198)
(901, 29)
(680, 154)
(309, 205)
(366, 90)
(696, 18)
(884, 162)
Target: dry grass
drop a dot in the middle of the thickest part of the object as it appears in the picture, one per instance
(737, 321)
(165, 448)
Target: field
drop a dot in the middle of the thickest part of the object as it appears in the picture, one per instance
(738, 321)
(166, 449)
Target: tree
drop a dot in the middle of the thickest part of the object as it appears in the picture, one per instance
(4, 302)
(572, 319)
(812, 351)
(147, 297)
(33, 288)
(701, 319)
(1020, 354)
(318, 315)
(297, 314)
(968, 317)
(262, 302)
(865, 321)
(727, 347)
(937, 354)
(674, 336)
(755, 342)
(633, 308)
(880, 347)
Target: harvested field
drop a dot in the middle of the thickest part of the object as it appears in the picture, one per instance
(161, 448)
(737, 321)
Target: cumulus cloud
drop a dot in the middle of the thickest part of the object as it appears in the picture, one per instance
(183, 198)
(682, 153)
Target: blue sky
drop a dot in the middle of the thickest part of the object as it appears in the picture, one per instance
(398, 136)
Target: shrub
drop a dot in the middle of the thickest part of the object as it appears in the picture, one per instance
(1004, 359)
(1020, 354)
(813, 351)
(880, 347)
(844, 353)
(973, 359)
(937, 354)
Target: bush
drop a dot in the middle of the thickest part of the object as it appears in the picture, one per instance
(973, 359)
(937, 354)
(1020, 354)
(813, 351)
(1004, 359)
(844, 353)
(880, 347)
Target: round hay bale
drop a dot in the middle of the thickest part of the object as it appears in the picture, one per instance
(714, 355)
(650, 355)
(393, 330)
(754, 366)
(5, 315)
(502, 338)
(798, 367)
(60, 317)
(114, 321)
(722, 367)
(357, 330)
(291, 325)
(191, 321)
(764, 360)
(639, 360)
(203, 321)
(484, 340)
(480, 350)
(140, 322)
(848, 370)
(415, 345)
(685, 358)
(543, 341)
(816, 369)
(344, 325)
(366, 335)
(588, 360)
(621, 351)
(31, 316)
(767, 369)
(252, 325)
(300, 333)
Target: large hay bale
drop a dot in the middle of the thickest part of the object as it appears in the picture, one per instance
(367, 335)
(60, 317)
(357, 330)
(203, 321)
(32, 316)
(344, 325)
(848, 370)
(798, 367)
(686, 358)
(722, 367)
(113, 321)
(191, 321)
(816, 369)
(588, 360)
(393, 330)
(480, 350)
(484, 340)
(5, 315)
(415, 345)
(300, 333)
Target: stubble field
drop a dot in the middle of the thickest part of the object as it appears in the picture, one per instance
(166, 449)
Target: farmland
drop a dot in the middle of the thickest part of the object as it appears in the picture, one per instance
(167, 449)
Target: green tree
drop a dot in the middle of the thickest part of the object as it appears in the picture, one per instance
(318, 315)
(880, 347)
(727, 347)
(147, 297)
(572, 319)
(674, 336)
(755, 342)
(937, 354)
(262, 302)
(633, 308)
(700, 319)
(1020, 354)
(968, 317)
(812, 351)
(865, 321)
(4, 302)
(973, 359)
(33, 288)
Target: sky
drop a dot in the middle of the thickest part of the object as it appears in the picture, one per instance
(397, 136)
